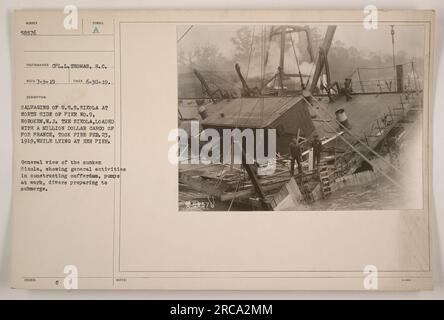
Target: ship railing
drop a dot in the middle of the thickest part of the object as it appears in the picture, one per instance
(379, 127)
(385, 79)
(376, 86)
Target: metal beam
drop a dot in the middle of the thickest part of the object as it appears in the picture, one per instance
(323, 52)
(254, 180)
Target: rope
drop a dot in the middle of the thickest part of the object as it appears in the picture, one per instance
(388, 67)
(246, 76)
(377, 68)
(185, 33)
(252, 110)
(237, 188)
(358, 152)
(249, 56)
(263, 49)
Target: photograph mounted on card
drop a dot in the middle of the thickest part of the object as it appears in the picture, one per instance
(226, 150)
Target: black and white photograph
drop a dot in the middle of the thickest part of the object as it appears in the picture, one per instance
(271, 151)
(300, 117)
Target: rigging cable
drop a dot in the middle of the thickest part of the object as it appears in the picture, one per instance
(297, 62)
(249, 55)
(246, 75)
(184, 34)
(262, 70)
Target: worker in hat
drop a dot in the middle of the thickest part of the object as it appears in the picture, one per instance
(296, 155)
(347, 89)
(317, 148)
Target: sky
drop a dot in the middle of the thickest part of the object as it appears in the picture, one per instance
(407, 37)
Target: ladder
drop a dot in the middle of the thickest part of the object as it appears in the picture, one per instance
(324, 178)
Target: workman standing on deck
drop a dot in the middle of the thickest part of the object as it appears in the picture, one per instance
(296, 155)
(317, 148)
(347, 89)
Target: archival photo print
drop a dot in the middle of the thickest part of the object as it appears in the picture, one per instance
(300, 117)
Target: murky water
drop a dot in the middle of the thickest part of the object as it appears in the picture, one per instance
(376, 195)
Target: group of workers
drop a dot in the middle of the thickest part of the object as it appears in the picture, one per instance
(344, 90)
(295, 150)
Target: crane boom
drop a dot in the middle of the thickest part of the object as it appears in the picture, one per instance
(323, 51)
